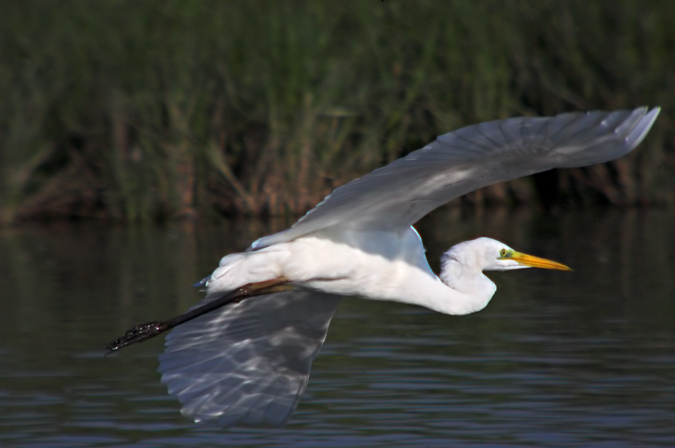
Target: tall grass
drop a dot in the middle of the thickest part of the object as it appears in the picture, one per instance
(158, 109)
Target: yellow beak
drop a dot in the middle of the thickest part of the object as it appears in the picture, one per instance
(535, 262)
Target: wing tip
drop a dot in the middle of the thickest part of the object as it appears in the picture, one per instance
(640, 129)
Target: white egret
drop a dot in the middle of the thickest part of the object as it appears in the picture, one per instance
(249, 362)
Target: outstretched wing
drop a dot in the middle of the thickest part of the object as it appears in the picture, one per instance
(249, 362)
(398, 195)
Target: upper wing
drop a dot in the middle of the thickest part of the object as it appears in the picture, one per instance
(249, 362)
(399, 194)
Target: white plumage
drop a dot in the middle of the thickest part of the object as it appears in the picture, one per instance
(249, 362)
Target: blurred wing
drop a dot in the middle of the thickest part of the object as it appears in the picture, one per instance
(398, 195)
(249, 362)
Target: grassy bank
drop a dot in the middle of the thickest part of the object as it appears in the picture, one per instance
(159, 109)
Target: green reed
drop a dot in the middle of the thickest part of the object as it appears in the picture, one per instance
(161, 109)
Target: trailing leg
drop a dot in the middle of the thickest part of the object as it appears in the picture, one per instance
(149, 330)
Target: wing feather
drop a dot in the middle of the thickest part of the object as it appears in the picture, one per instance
(247, 363)
(398, 195)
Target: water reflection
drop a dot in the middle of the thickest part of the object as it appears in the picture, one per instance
(579, 359)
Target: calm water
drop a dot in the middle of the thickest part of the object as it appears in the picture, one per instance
(558, 359)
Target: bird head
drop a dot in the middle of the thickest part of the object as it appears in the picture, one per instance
(487, 254)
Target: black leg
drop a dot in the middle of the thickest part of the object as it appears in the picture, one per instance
(144, 332)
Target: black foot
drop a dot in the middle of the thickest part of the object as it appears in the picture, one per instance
(139, 333)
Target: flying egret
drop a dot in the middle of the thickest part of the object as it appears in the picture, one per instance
(249, 362)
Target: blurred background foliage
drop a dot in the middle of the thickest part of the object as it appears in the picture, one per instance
(160, 109)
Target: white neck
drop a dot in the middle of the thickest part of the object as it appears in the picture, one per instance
(456, 291)
(469, 290)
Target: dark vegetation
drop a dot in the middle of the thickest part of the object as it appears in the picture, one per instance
(160, 109)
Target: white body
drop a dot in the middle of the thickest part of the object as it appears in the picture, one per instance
(370, 264)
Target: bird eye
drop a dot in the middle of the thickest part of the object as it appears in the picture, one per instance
(502, 253)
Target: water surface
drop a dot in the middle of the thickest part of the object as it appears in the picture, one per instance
(557, 359)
